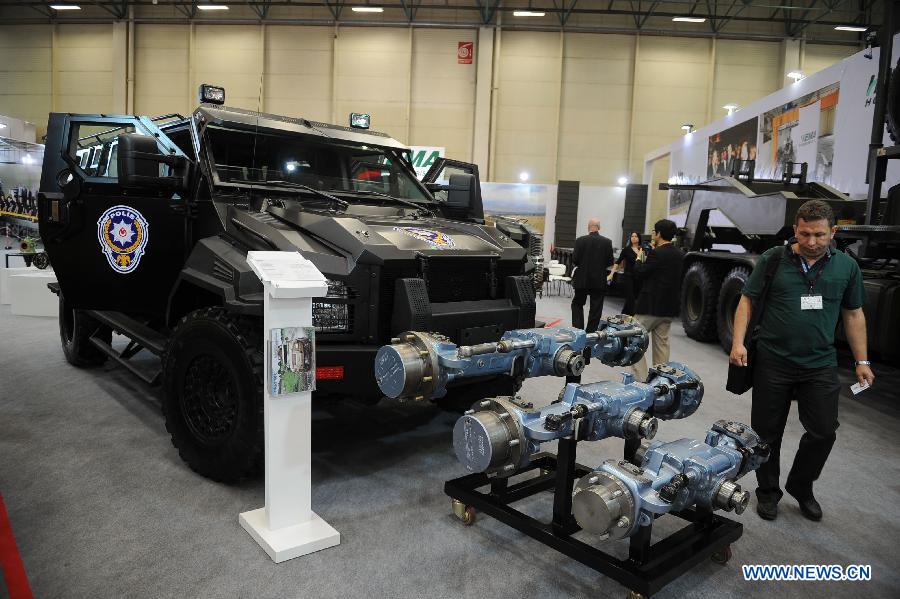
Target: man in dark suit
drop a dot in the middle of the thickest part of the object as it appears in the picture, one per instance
(659, 302)
(593, 255)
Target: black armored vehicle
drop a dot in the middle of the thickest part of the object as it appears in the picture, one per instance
(148, 222)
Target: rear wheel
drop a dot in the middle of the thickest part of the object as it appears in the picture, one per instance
(699, 298)
(729, 297)
(75, 331)
(212, 372)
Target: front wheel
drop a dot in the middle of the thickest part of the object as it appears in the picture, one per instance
(213, 404)
(75, 331)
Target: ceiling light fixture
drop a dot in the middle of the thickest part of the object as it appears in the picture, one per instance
(795, 75)
(523, 176)
(623, 181)
(856, 28)
(367, 9)
(687, 128)
(65, 7)
(212, 7)
(731, 108)
(528, 13)
(689, 19)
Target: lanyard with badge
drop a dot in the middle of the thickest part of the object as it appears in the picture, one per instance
(810, 300)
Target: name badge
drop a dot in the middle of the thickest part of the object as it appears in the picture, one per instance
(810, 302)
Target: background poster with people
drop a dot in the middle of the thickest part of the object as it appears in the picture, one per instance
(801, 130)
(728, 146)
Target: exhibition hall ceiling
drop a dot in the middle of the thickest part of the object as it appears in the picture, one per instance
(766, 19)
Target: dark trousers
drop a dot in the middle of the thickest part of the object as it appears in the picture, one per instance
(630, 289)
(596, 310)
(775, 384)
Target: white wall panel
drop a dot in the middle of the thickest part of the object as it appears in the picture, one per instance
(298, 65)
(161, 64)
(442, 93)
(25, 78)
(595, 113)
(230, 56)
(83, 65)
(818, 56)
(528, 92)
(372, 75)
(562, 107)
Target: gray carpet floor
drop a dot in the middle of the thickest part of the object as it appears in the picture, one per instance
(101, 505)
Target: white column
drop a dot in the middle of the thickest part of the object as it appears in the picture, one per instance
(287, 527)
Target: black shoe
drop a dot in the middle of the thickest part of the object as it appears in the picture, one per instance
(767, 510)
(809, 506)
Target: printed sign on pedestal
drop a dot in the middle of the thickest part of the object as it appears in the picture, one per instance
(292, 362)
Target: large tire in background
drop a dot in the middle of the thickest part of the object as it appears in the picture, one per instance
(75, 331)
(213, 404)
(892, 109)
(699, 300)
(729, 297)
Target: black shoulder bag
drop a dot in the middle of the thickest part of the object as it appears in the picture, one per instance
(740, 378)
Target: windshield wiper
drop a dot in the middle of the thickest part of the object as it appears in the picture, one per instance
(342, 203)
(405, 202)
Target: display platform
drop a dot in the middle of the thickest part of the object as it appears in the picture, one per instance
(28, 293)
(5, 274)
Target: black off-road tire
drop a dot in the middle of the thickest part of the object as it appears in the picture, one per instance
(729, 297)
(41, 260)
(213, 403)
(699, 300)
(892, 109)
(75, 331)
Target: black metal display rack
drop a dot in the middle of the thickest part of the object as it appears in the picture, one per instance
(649, 566)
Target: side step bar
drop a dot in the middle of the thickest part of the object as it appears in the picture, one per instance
(141, 337)
(133, 329)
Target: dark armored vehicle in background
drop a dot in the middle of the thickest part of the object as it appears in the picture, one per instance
(148, 223)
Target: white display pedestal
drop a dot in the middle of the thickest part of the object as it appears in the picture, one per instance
(5, 274)
(287, 527)
(29, 295)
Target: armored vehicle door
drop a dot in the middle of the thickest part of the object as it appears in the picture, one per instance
(116, 240)
(458, 187)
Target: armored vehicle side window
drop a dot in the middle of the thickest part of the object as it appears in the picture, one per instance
(94, 148)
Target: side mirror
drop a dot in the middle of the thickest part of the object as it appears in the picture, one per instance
(138, 163)
(462, 191)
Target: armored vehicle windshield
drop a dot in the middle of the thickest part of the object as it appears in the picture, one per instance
(285, 159)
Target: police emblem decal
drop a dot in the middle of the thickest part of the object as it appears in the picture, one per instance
(123, 233)
(435, 239)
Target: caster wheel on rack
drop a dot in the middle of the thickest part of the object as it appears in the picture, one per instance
(723, 556)
(465, 513)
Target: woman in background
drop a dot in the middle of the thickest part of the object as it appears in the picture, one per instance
(625, 262)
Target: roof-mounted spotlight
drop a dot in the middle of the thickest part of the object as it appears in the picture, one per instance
(360, 120)
(211, 94)
(687, 128)
(795, 75)
(731, 108)
(622, 181)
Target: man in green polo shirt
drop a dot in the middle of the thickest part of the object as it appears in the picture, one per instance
(795, 357)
